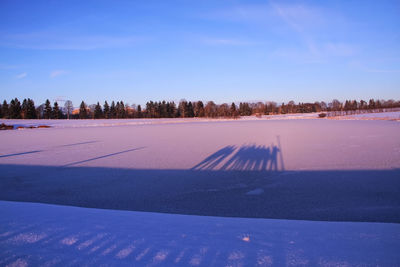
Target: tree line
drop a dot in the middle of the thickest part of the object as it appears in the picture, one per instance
(184, 109)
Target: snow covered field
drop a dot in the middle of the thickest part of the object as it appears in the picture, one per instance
(372, 116)
(342, 176)
(132, 122)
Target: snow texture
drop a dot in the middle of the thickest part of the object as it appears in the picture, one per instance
(342, 174)
(34, 234)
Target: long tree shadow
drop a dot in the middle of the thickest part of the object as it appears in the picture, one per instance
(78, 144)
(104, 156)
(245, 181)
(19, 154)
(244, 158)
(37, 151)
(214, 159)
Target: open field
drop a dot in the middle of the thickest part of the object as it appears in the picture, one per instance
(342, 176)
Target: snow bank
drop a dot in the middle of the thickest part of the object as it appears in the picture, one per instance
(390, 116)
(46, 235)
(132, 122)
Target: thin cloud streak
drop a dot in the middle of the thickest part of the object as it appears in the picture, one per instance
(21, 76)
(226, 41)
(303, 20)
(8, 67)
(382, 71)
(58, 41)
(56, 73)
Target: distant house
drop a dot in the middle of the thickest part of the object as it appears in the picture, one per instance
(75, 111)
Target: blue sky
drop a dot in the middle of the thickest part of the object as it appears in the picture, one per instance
(199, 50)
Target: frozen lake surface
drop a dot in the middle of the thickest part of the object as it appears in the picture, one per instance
(314, 185)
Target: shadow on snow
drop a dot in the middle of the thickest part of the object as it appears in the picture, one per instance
(337, 195)
(244, 158)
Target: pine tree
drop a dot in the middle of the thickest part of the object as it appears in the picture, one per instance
(24, 109)
(57, 114)
(139, 111)
(122, 113)
(233, 111)
(118, 110)
(106, 110)
(113, 111)
(83, 111)
(5, 110)
(98, 113)
(47, 110)
(189, 110)
(31, 111)
(371, 104)
(15, 109)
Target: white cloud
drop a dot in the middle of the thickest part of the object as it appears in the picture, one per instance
(56, 73)
(21, 75)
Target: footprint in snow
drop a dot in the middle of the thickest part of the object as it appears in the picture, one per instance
(257, 191)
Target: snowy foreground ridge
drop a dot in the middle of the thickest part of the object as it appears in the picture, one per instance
(48, 235)
(281, 192)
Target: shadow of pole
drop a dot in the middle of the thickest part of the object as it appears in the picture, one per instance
(19, 154)
(280, 154)
(101, 157)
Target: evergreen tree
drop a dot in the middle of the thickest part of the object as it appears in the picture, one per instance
(57, 114)
(371, 104)
(47, 110)
(15, 109)
(245, 109)
(24, 109)
(117, 110)
(5, 110)
(113, 111)
(98, 113)
(121, 111)
(163, 107)
(139, 111)
(233, 111)
(106, 110)
(173, 110)
(189, 110)
(83, 111)
(31, 111)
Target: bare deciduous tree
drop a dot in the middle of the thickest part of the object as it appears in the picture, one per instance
(68, 107)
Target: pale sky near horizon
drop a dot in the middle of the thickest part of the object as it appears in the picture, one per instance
(223, 51)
